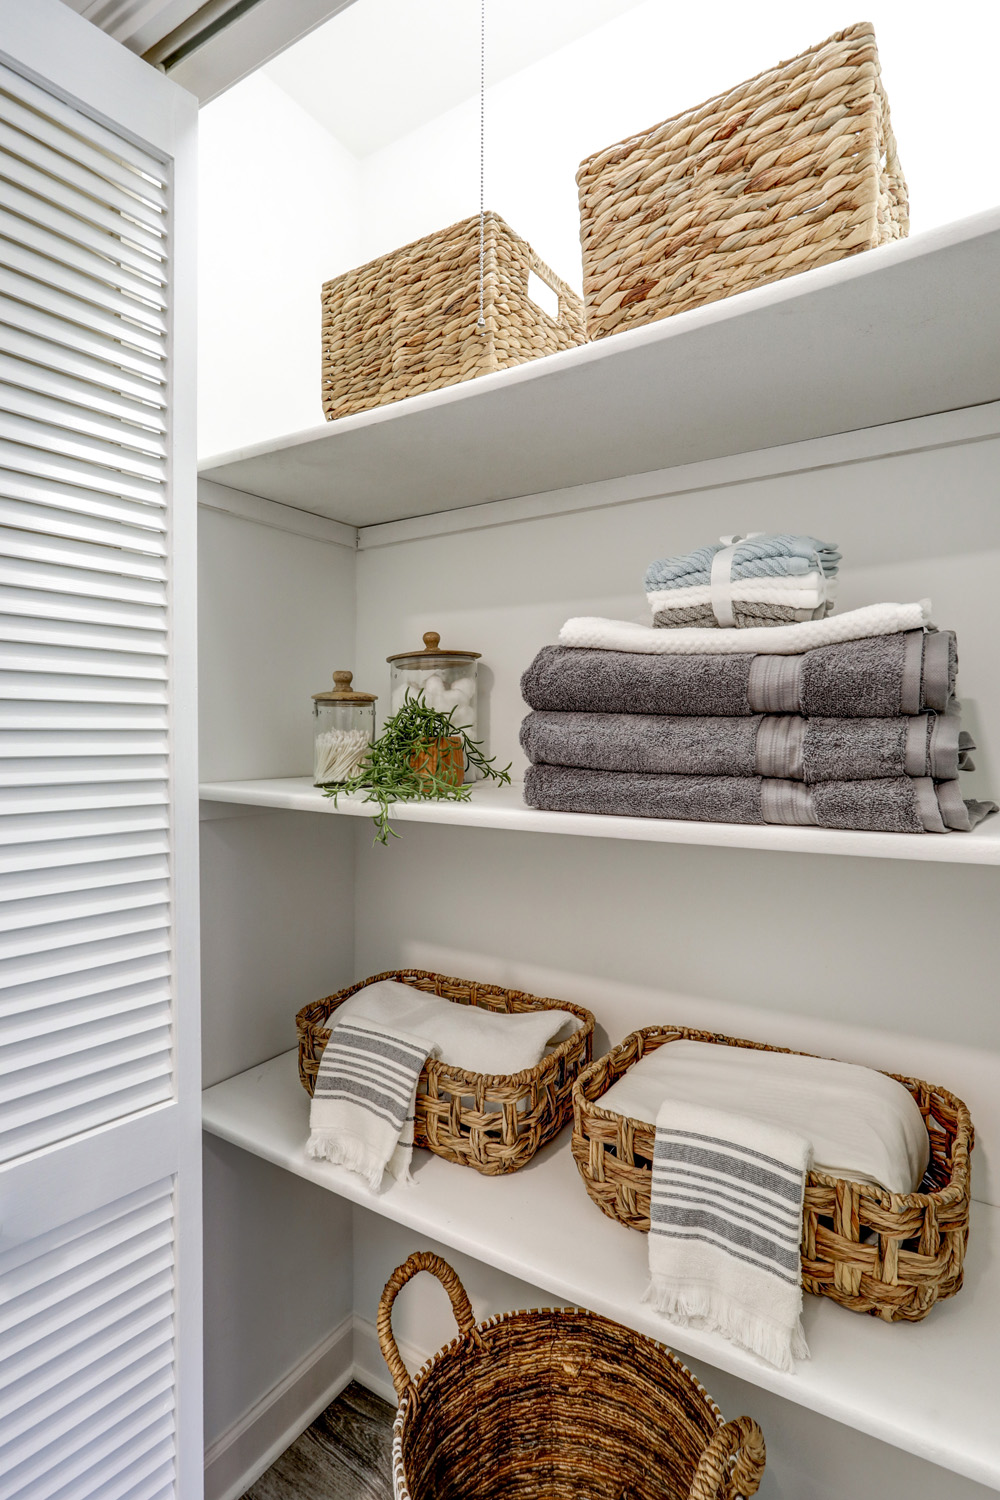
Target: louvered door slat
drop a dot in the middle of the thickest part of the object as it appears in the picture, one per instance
(40, 184)
(85, 395)
(121, 159)
(76, 231)
(41, 772)
(60, 328)
(44, 630)
(76, 257)
(82, 610)
(55, 273)
(17, 139)
(25, 401)
(63, 360)
(120, 1397)
(90, 465)
(58, 1019)
(105, 1432)
(45, 744)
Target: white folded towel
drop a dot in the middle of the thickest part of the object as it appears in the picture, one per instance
(464, 1036)
(799, 591)
(773, 640)
(863, 1125)
(726, 1228)
(361, 1116)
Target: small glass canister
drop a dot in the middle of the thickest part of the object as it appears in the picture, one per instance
(343, 728)
(447, 680)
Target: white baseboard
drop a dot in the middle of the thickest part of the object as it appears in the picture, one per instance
(251, 1445)
(370, 1368)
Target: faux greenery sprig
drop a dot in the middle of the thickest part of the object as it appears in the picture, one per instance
(402, 766)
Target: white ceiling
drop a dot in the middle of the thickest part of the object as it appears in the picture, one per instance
(381, 68)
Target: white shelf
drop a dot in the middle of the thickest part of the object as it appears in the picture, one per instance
(503, 808)
(903, 331)
(929, 1388)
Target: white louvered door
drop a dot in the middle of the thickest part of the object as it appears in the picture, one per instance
(99, 1183)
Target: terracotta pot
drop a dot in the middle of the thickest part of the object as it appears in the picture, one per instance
(444, 758)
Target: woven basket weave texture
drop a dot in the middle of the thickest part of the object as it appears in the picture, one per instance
(793, 169)
(889, 1254)
(494, 1123)
(406, 323)
(556, 1404)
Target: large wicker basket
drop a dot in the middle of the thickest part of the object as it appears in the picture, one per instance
(556, 1404)
(407, 322)
(493, 1122)
(889, 1254)
(795, 168)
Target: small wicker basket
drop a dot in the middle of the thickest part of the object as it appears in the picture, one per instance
(889, 1254)
(556, 1404)
(791, 170)
(407, 322)
(493, 1122)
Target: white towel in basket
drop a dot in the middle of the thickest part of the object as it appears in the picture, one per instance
(361, 1115)
(726, 1226)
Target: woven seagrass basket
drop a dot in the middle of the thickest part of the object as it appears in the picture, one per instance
(793, 169)
(406, 323)
(493, 1122)
(889, 1254)
(556, 1404)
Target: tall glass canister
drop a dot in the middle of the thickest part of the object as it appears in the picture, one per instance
(343, 728)
(447, 680)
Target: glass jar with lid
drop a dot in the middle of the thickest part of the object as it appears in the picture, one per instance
(343, 728)
(447, 680)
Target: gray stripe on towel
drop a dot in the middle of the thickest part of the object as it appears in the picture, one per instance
(750, 1260)
(673, 1134)
(758, 1242)
(732, 1166)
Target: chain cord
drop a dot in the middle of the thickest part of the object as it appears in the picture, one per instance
(481, 322)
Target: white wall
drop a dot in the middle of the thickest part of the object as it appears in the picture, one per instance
(657, 60)
(885, 962)
(277, 216)
(285, 206)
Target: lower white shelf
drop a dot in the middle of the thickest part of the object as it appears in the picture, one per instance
(503, 807)
(929, 1388)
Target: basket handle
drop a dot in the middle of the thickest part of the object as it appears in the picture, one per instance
(421, 1260)
(546, 274)
(732, 1464)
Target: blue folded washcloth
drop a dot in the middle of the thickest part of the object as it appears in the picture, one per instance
(761, 557)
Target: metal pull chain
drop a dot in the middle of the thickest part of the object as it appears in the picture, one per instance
(481, 322)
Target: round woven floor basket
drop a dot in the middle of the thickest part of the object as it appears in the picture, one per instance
(556, 1404)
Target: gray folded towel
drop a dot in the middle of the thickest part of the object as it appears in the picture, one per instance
(878, 677)
(774, 745)
(900, 804)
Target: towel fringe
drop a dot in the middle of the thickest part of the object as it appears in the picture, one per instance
(705, 1307)
(347, 1151)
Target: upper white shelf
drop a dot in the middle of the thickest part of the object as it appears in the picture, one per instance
(929, 1388)
(903, 331)
(503, 807)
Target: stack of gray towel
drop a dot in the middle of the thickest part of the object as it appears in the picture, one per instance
(862, 734)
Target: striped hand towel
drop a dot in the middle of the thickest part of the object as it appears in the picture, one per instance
(726, 1225)
(362, 1107)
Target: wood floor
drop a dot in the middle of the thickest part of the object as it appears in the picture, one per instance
(344, 1455)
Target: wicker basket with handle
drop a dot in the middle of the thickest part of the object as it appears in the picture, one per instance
(793, 169)
(555, 1404)
(889, 1254)
(492, 1122)
(407, 322)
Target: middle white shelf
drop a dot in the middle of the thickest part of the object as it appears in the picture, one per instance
(928, 1388)
(503, 807)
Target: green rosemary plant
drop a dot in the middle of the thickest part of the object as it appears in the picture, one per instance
(401, 765)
